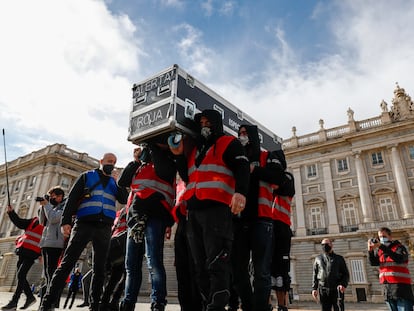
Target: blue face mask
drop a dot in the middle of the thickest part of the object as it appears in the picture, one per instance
(384, 240)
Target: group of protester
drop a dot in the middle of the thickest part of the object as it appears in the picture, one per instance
(232, 205)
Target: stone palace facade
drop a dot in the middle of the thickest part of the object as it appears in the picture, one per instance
(350, 180)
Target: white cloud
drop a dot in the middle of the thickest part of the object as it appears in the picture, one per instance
(66, 68)
(373, 50)
(62, 61)
(198, 57)
(207, 6)
(227, 8)
(172, 3)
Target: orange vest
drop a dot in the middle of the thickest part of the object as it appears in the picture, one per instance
(212, 180)
(146, 182)
(265, 192)
(392, 272)
(30, 239)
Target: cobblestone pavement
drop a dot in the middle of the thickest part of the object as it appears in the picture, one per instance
(173, 305)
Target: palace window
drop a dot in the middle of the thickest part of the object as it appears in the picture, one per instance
(311, 171)
(65, 182)
(411, 152)
(387, 209)
(357, 271)
(316, 217)
(17, 186)
(32, 182)
(377, 158)
(342, 165)
(349, 214)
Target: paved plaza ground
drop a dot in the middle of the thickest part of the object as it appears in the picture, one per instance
(144, 304)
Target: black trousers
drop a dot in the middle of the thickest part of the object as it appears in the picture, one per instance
(82, 234)
(210, 233)
(51, 257)
(23, 266)
(188, 292)
(281, 254)
(115, 284)
(71, 294)
(331, 299)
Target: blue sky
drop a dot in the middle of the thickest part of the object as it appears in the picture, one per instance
(67, 67)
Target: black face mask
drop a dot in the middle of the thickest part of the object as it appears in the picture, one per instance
(326, 248)
(53, 201)
(108, 168)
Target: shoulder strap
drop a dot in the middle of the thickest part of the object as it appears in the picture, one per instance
(94, 185)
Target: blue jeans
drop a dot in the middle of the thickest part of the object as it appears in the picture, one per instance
(154, 246)
(399, 305)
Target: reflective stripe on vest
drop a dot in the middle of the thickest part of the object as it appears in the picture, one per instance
(146, 182)
(31, 236)
(212, 179)
(282, 209)
(101, 200)
(265, 192)
(392, 272)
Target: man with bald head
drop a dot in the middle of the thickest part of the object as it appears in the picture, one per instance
(330, 278)
(91, 202)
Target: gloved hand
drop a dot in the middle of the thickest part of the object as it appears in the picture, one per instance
(138, 230)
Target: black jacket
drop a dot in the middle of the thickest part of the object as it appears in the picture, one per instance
(329, 271)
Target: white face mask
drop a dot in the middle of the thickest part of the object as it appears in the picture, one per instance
(244, 139)
(384, 240)
(205, 132)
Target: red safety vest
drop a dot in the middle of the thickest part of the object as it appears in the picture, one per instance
(30, 239)
(120, 222)
(282, 209)
(212, 179)
(265, 192)
(146, 182)
(392, 272)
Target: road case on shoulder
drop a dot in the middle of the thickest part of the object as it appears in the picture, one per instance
(168, 101)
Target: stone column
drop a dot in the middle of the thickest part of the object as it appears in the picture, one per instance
(401, 182)
(330, 198)
(363, 186)
(300, 212)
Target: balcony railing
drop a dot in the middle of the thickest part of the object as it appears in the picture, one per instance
(316, 231)
(350, 228)
(330, 134)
